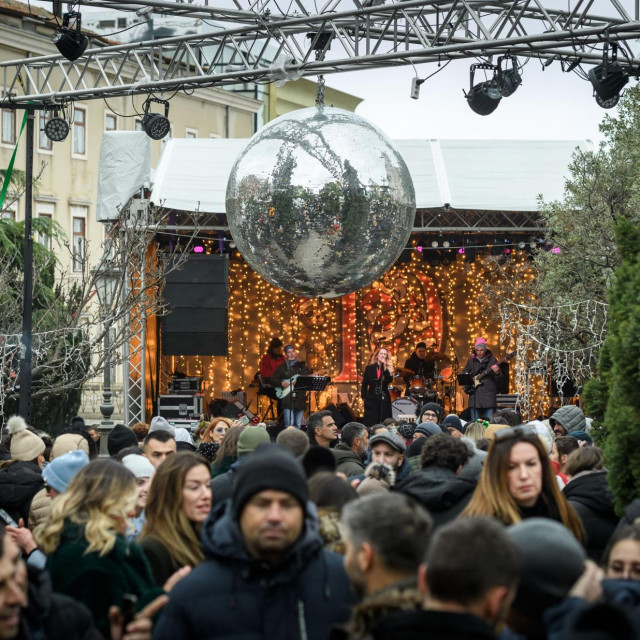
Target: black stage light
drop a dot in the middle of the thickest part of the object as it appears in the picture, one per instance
(484, 97)
(608, 78)
(71, 43)
(508, 79)
(56, 128)
(156, 125)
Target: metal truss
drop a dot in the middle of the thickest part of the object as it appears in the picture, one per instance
(337, 36)
(439, 220)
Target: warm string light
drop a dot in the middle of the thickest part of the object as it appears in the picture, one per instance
(259, 311)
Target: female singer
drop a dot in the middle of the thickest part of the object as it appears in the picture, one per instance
(375, 388)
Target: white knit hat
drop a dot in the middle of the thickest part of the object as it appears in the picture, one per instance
(25, 446)
(160, 424)
(138, 465)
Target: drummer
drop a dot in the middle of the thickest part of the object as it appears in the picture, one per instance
(420, 363)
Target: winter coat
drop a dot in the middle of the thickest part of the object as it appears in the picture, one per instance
(371, 613)
(349, 462)
(630, 513)
(19, 482)
(484, 397)
(443, 493)
(570, 417)
(222, 485)
(375, 393)
(162, 563)
(233, 595)
(100, 581)
(329, 528)
(218, 468)
(40, 507)
(295, 400)
(589, 494)
(53, 616)
(268, 365)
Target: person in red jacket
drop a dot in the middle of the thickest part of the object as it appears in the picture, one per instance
(271, 360)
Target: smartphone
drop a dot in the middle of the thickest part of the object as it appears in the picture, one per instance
(129, 606)
(242, 421)
(7, 518)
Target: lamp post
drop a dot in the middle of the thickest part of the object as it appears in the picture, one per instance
(107, 279)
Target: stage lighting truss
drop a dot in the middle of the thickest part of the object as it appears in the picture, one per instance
(56, 128)
(484, 97)
(70, 41)
(609, 78)
(156, 125)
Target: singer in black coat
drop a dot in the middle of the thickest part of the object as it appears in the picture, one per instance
(375, 393)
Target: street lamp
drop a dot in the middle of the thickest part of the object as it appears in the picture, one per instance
(107, 278)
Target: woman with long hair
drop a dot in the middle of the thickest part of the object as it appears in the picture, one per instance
(178, 503)
(84, 539)
(376, 379)
(227, 453)
(216, 430)
(518, 482)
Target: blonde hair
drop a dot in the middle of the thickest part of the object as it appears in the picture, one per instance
(99, 497)
(374, 355)
(166, 520)
(492, 498)
(474, 431)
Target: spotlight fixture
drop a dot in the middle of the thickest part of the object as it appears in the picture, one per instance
(156, 125)
(56, 128)
(71, 42)
(434, 244)
(608, 78)
(484, 97)
(508, 79)
(446, 244)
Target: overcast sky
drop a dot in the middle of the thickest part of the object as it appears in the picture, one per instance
(548, 105)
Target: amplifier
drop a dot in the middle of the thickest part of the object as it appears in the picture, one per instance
(191, 425)
(182, 407)
(506, 400)
(233, 396)
(185, 385)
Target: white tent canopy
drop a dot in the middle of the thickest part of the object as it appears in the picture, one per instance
(486, 175)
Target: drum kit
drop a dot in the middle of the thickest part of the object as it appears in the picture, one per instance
(420, 389)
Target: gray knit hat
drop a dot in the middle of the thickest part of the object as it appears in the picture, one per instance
(394, 441)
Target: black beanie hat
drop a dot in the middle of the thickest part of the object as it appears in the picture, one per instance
(421, 345)
(436, 408)
(120, 438)
(269, 468)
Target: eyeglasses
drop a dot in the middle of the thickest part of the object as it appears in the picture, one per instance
(220, 429)
(515, 432)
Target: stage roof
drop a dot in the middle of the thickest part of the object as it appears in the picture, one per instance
(481, 175)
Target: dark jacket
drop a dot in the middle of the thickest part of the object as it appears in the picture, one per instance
(222, 485)
(162, 563)
(53, 616)
(233, 595)
(425, 368)
(440, 491)
(19, 482)
(432, 625)
(100, 581)
(349, 462)
(221, 467)
(630, 513)
(375, 393)
(590, 496)
(294, 400)
(484, 396)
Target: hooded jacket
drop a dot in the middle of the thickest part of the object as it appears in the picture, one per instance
(443, 493)
(570, 417)
(19, 482)
(234, 595)
(589, 494)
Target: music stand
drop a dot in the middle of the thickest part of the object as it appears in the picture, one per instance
(465, 379)
(311, 383)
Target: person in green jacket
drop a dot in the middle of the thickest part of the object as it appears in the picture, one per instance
(88, 557)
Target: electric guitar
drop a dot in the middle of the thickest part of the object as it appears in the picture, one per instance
(283, 392)
(477, 380)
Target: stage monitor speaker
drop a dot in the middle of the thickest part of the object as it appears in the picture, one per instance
(234, 410)
(337, 415)
(198, 295)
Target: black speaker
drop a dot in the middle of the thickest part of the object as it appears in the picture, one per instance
(197, 295)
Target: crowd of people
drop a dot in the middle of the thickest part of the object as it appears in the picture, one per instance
(431, 529)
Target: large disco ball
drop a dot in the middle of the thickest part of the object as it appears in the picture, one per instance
(320, 203)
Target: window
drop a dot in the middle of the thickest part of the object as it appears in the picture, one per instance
(44, 210)
(106, 24)
(191, 134)
(8, 126)
(44, 144)
(122, 23)
(110, 122)
(80, 132)
(79, 241)
(8, 214)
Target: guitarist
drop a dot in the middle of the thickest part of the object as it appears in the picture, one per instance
(294, 403)
(482, 400)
